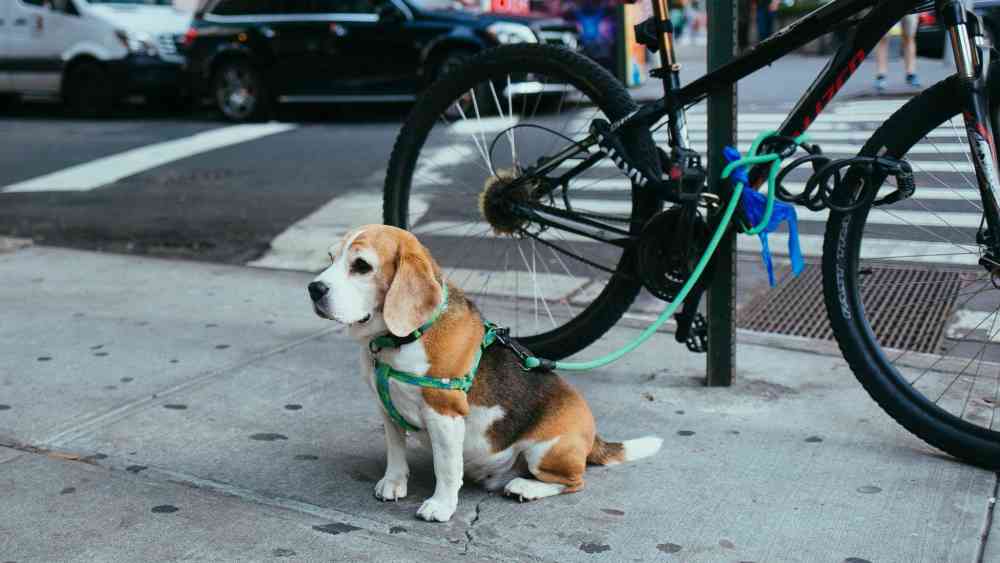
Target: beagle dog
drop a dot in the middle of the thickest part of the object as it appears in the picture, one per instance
(529, 434)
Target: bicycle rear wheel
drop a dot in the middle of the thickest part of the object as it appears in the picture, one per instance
(919, 322)
(450, 176)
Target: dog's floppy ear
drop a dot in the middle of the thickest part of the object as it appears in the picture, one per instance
(413, 295)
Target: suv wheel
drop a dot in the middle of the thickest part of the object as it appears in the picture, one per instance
(88, 91)
(450, 61)
(8, 102)
(240, 93)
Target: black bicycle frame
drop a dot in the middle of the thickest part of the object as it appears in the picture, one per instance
(868, 21)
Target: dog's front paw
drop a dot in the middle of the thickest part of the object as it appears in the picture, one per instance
(390, 489)
(436, 510)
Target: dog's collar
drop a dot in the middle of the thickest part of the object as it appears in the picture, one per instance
(389, 340)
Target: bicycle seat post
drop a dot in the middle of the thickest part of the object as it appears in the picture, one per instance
(669, 72)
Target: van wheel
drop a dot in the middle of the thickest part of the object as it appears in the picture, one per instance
(240, 92)
(88, 91)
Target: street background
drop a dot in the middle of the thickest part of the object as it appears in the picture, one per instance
(156, 408)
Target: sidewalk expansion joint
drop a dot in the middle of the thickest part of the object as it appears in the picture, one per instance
(984, 535)
(9, 443)
(75, 430)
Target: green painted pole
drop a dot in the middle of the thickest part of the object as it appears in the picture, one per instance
(721, 361)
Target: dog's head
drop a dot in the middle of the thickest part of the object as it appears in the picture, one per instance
(381, 278)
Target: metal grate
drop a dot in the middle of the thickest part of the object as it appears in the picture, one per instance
(907, 308)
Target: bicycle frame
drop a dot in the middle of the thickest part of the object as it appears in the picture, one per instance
(866, 30)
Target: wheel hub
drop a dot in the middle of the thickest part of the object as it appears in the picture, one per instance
(496, 202)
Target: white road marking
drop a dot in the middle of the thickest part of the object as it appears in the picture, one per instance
(812, 245)
(104, 171)
(972, 325)
(303, 245)
(851, 149)
(506, 283)
(483, 125)
(963, 167)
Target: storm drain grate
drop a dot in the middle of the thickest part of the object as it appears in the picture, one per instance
(906, 307)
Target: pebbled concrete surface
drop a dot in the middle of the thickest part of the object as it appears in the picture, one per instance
(258, 443)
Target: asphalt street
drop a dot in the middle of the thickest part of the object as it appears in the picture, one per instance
(229, 203)
(277, 194)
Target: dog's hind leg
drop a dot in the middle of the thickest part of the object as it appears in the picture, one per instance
(557, 466)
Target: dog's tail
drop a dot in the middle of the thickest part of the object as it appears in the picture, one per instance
(612, 453)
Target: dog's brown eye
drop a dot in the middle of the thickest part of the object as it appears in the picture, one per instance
(359, 266)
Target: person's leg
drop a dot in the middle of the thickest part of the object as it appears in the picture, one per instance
(763, 20)
(909, 25)
(743, 24)
(881, 63)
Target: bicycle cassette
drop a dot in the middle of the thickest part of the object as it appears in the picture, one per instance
(669, 247)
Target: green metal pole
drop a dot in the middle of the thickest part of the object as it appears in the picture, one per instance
(721, 361)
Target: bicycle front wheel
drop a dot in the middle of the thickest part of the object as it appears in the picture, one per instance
(912, 308)
(452, 182)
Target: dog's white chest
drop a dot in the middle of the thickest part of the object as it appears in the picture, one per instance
(407, 399)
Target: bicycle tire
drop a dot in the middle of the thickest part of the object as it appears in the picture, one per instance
(609, 95)
(862, 350)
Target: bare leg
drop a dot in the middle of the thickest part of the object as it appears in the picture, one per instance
(910, 54)
(882, 56)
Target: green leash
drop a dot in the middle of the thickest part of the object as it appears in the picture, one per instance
(752, 158)
(384, 372)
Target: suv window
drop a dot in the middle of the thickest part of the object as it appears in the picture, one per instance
(248, 7)
(277, 7)
(344, 7)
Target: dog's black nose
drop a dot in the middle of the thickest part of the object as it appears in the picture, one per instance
(317, 290)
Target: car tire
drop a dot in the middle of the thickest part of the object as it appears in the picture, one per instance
(455, 59)
(240, 92)
(450, 61)
(88, 90)
(8, 102)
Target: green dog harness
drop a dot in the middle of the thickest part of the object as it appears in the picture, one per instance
(384, 372)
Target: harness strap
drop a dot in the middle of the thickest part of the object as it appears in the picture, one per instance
(384, 372)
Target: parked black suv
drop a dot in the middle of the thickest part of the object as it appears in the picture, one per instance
(249, 54)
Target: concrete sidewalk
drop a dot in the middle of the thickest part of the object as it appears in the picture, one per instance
(165, 410)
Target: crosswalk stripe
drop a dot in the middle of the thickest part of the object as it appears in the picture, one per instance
(891, 250)
(962, 167)
(880, 216)
(851, 149)
(104, 171)
(304, 244)
(747, 134)
(623, 187)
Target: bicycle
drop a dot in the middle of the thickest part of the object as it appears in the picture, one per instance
(511, 152)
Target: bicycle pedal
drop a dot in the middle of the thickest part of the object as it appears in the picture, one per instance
(697, 340)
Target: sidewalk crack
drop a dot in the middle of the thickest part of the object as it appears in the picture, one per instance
(469, 540)
(984, 534)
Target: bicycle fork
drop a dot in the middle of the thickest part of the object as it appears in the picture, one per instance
(972, 62)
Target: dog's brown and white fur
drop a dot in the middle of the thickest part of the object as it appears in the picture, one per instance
(510, 425)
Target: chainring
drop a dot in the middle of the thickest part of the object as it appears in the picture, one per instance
(670, 245)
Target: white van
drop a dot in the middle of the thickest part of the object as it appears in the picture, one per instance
(90, 53)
